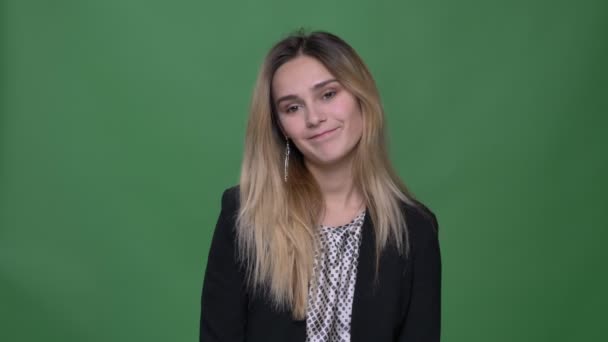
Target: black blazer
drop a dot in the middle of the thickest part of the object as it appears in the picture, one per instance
(403, 306)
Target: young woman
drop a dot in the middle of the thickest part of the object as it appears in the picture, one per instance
(320, 241)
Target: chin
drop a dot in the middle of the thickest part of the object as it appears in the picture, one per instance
(328, 159)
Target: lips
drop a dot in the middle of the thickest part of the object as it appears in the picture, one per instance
(323, 133)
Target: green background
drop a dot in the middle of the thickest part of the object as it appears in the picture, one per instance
(122, 121)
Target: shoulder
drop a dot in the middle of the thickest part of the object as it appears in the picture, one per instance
(419, 214)
(226, 223)
(422, 225)
(230, 198)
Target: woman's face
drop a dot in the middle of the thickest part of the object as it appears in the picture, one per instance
(315, 111)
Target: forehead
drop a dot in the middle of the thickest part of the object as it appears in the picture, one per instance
(299, 75)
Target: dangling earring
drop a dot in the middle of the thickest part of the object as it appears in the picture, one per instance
(286, 159)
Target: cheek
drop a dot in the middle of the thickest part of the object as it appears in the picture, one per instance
(356, 125)
(355, 122)
(290, 125)
(350, 112)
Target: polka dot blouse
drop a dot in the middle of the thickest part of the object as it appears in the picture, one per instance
(329, 307)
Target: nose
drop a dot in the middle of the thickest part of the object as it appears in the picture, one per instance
(314, 116)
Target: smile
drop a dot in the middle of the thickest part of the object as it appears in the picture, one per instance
(324, 134)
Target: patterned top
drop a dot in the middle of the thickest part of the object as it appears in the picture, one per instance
(330, 304)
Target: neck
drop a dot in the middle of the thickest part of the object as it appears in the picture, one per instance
(337, 185)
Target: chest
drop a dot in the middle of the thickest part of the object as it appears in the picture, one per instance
(379, 301)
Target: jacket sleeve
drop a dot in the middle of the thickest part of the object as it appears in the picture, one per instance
(223, 300)
(423, 317)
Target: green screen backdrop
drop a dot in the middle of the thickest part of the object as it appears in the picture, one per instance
(122, 121)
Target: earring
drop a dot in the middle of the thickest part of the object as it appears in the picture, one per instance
(286, 159)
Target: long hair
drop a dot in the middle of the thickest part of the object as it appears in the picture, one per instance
(277, 220)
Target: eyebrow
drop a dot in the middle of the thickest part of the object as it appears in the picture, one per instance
(315, 87)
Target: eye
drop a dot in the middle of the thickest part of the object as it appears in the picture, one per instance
(329, 94)
(291, 109)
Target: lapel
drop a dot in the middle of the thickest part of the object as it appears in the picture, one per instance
(363, 296)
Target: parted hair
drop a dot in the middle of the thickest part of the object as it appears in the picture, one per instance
(277, 219)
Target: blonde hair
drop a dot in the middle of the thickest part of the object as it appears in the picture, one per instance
(277, 220)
